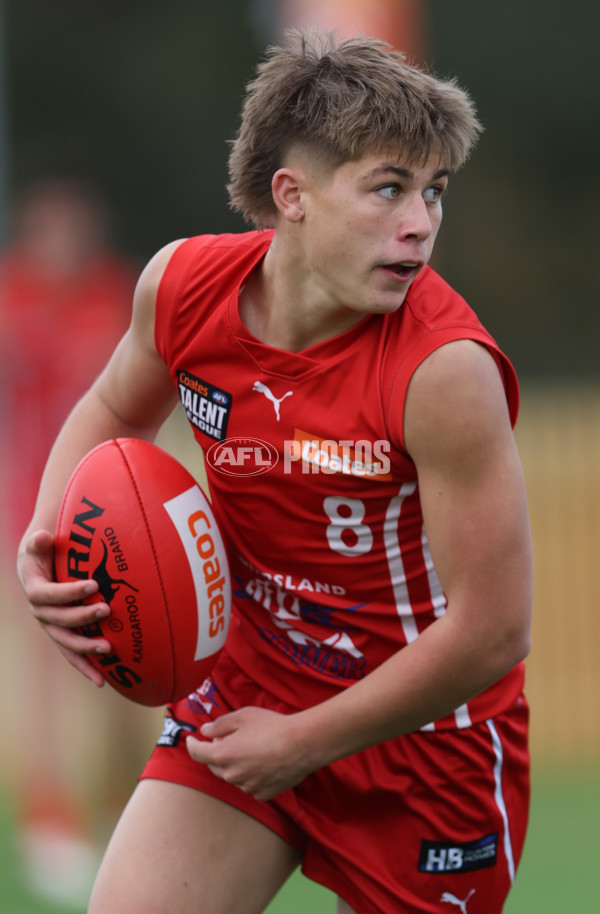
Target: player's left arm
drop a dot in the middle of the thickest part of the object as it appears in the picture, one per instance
(474, 503)
(458, 432)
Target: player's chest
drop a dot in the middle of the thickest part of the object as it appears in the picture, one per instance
(335, 407)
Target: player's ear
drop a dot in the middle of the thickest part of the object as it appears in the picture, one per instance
(287, 187)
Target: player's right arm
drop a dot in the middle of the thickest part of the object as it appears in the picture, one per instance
(131, 398)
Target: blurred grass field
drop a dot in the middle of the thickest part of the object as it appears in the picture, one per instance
(558, 874)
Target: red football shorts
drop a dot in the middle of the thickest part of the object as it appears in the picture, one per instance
(428, 822)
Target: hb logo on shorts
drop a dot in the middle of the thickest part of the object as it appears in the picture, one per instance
(450, 857)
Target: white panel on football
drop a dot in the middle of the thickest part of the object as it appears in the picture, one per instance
(197, 528)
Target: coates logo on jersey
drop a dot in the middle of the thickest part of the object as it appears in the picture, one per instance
(242, 457)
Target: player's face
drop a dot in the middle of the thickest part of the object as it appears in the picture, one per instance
(370, 227)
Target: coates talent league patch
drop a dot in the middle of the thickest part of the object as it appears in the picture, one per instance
(206, 406)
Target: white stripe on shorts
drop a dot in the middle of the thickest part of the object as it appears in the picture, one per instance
(499, 797)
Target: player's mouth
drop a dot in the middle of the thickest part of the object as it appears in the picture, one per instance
(405, 271)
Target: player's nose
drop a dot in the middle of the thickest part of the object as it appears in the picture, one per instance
(415, 219)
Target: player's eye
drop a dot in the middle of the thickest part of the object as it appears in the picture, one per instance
(434, 193)
(390, 191)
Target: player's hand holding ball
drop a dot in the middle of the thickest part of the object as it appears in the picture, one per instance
(58, 607)
(136, 528)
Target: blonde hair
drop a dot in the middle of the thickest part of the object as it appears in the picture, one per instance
(341, 99)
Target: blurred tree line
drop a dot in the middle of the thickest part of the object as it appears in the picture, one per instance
(142, 97)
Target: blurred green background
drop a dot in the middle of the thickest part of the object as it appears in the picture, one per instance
(140, 99)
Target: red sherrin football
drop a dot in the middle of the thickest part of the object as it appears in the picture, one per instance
(137, 522)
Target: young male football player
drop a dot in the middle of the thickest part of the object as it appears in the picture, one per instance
(366, 718)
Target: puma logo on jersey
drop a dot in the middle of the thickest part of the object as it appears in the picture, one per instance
(261, 388)
(449, 898)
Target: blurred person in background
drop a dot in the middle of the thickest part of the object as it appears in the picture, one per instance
(65, 299)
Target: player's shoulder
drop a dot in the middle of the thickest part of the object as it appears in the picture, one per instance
(201, 258)
(455, 395)
(432, 300)
(153, 272)
(461, 361)
(225, 241)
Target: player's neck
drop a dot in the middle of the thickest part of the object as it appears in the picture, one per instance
(280, 308)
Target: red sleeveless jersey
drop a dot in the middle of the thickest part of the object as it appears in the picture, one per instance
(315, 493)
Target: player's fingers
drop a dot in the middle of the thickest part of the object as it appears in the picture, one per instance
(204, 753)
(200, 750)
(35, 555)
(227, 723)
(70, 616)
(39, 542)
(36, 571)
(83, 665)
(42, 591)
(208, 753)
(76, 643)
